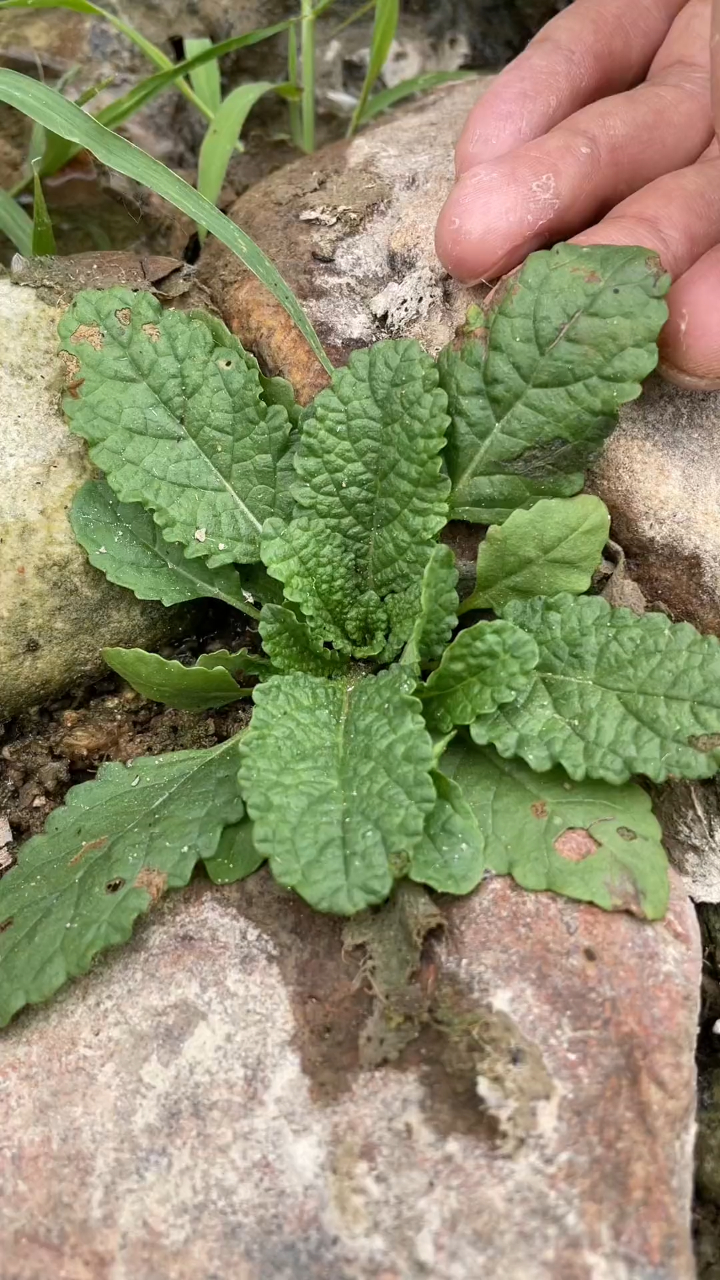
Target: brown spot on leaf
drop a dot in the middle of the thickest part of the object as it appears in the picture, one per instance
(624, 895)
(5, 924)
(539, 809)
(71, 363)
(576, 844)
(124, 316)
(114, 886)
(88, 848)
(706, 742)
(152, 331)
(627, 833)
(153, 882)
(90, 333)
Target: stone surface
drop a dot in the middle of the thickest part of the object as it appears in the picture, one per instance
(51, 599)
(195, 1107)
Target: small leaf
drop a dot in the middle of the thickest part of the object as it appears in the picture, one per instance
(168, 681)
(236, 857)
(587, 840)
(437, 618)
(123, 540)
(177, 422)
(387, 13)
(223, 133)
(43, 236)
(336, 775)
(278, 390)
(251, 664)
(370, 501)
(612, 695)
(555, 546)
(288, 641)
(205, 79)
(567, 339)
(15, 224)
(110, 851)
(486, 665)
(427, 80)
(450, 855)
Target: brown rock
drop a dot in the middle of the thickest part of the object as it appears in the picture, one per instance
(196, 1108)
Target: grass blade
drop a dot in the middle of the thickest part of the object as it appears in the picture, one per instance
(307, 55)
(205, 79)
(43, 236)
(294, 108)
(387, 13)
(222, 135)
(418, 84)
(15, 224)
(355, 16)
(50, 109)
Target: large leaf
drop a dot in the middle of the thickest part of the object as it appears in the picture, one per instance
(167, 680)
(236, 856)
(486, 665)
(586, 840)
(336, 776)
(54, 112)
(612, 694)
(437, 616)
(123, 540)
(105, 856)
(371, 499)
(450, 855)
(288, 641)
(174, 413)
(567, 339)
(555, 546)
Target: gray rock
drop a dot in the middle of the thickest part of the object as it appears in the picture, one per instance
(196, 1107)
(56, 611)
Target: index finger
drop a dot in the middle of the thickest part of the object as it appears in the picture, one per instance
(591, 50)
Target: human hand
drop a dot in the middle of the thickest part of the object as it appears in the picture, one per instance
(602, 130)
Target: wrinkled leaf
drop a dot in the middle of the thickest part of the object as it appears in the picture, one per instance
(177, 422)
(612, 695)
(164, 680)
(486, 665)
(113, 848)
(587, 840)
(336, 777)
(555, 546)
(123, 541)
(371, 497)
(567, 339)
(236, 857)
(450, 855)
(437, 617)
(288, 641)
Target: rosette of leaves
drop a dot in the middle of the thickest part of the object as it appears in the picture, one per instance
(397, 731)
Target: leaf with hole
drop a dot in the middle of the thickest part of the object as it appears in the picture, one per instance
(587, 840)
(112, 849)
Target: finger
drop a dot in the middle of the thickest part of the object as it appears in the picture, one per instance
(690, 341)
(591, 50)
(548, 189)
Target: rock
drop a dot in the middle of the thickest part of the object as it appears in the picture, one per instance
(51, 599)
(195, 1107)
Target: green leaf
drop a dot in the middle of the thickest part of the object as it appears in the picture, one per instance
(236, 857)
(450, 855)
(555, 546)
(612, 695)
(278, 390)
(387, 13)
(371, 497)
(123, 541)
(567, 339)
(43, 236)
(205, 79)
(251, 664)
(112, 849)
(437, 618)
(288, 641)
(336, 776)
(65, 118)
(387, 98)
(164, 680)
(15, 224)
(587, 840)
(486, 665)
(177, 422)
(223, 133)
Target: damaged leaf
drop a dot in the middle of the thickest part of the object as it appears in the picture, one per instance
(115, 845)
